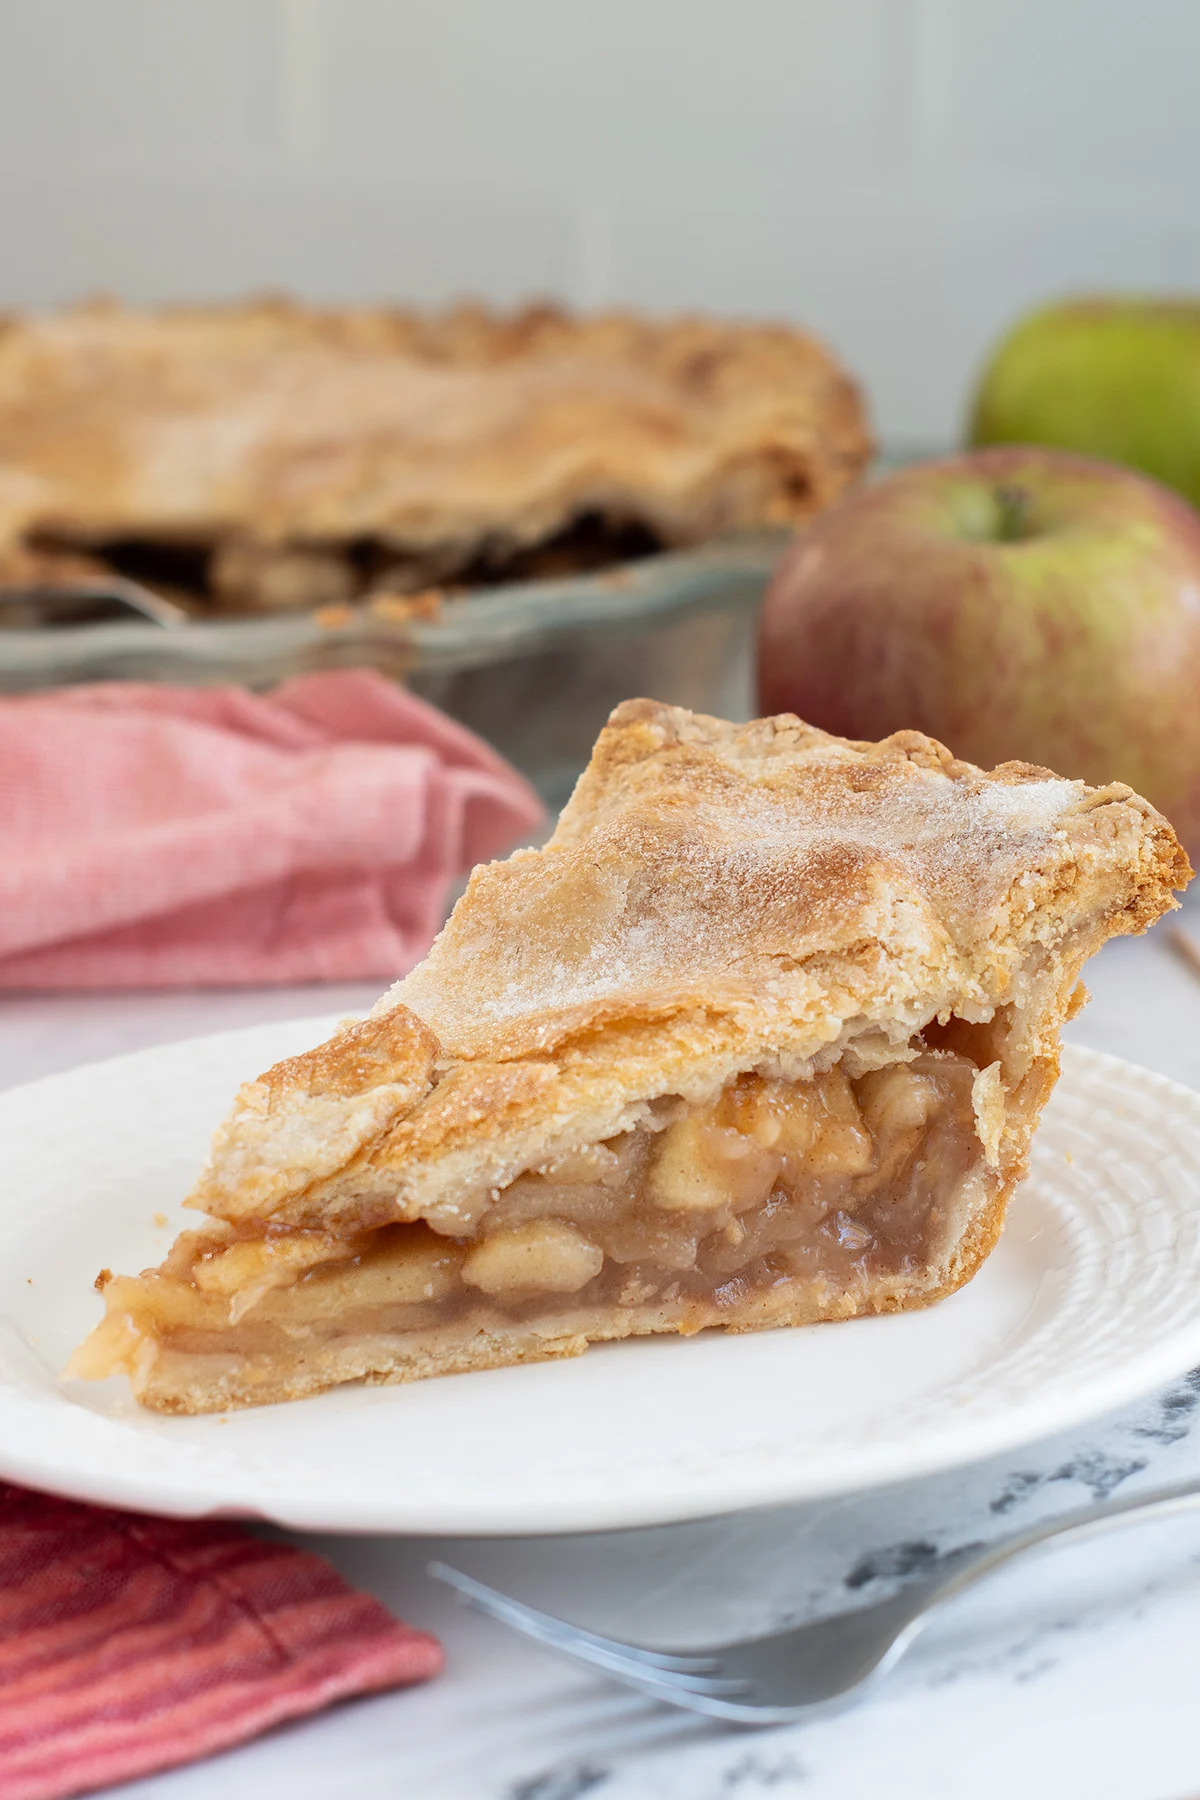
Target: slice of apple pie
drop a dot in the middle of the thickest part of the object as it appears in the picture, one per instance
(759, 1038)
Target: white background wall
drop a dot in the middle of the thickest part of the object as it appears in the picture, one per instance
(903, 175)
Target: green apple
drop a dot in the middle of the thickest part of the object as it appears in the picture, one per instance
(1017, 604)
(1113, 378)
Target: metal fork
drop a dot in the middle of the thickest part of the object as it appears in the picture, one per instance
(817, 1667)
(118, 590)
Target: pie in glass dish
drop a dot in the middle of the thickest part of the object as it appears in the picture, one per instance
(759, 1038)
(268, 457)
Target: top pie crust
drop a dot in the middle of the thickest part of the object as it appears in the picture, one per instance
(266, 427)
(726, 917)
(715, 898)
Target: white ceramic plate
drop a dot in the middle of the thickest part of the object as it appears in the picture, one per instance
(1092, 1297)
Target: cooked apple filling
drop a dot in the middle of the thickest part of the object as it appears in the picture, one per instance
(831, 1183)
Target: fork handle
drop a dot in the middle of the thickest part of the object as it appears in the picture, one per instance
(1074, 1527)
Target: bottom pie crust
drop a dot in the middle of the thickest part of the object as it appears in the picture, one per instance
(778, 1203)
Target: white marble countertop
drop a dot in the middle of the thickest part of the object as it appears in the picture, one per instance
(1076, 1674)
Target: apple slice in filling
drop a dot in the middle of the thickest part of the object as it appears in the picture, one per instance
(777, 1202)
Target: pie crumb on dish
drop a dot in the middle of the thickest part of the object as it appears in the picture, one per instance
(759, 1038)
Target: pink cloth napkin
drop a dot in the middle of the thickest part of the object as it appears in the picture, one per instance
(130, 1644)
(155, 836)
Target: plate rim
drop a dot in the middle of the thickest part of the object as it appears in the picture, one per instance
(941, 1450)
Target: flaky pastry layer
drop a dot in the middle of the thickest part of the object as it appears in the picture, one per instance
(270, 434)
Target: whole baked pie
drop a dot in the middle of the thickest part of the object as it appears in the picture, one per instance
(759, 1038)
(268, 457)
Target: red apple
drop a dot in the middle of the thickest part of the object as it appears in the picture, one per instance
(1017, 604)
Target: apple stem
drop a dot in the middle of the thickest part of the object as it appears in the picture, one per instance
(1012, 506)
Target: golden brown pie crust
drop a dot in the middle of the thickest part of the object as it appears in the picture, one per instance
(278, 440)
(719, 905)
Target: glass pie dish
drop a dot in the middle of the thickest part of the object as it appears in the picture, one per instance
(533, 667)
